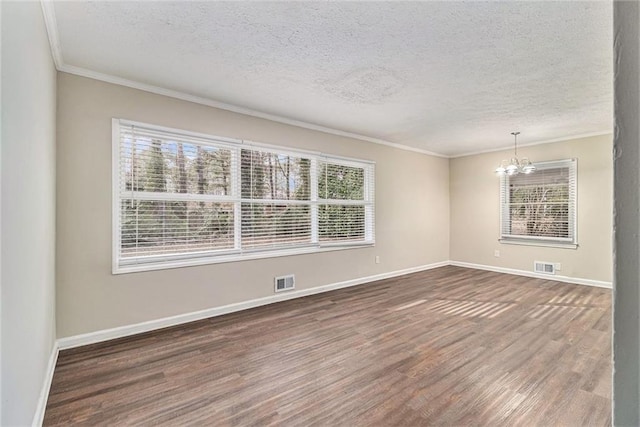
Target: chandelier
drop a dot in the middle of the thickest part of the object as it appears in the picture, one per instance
(515, 166)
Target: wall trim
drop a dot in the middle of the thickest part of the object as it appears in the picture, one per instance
(108, 78)
(556, 278)
(151, 325)
(38, 417)
(83, 72)
(127, 330)
(52, 32)
(532, 144)
(56, 52)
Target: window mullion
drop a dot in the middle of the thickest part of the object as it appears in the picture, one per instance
(573, 200)
(313, 170)
(236, 185)
(368, 209)
(505, 204)
(158, 223)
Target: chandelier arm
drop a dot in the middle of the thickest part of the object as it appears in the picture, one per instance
(514, 165)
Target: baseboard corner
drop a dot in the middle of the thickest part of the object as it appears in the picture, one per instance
(38, 417)
(557, 278)
(146, 326)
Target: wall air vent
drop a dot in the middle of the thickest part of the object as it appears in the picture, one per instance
(544, 267)
(285, 283)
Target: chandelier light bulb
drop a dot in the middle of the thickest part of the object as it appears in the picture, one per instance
(527, 166)
(512, 169)
(501, 170)
(515, 166)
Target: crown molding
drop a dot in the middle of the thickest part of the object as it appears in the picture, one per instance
(52, 32)
(531, 144)
(83, 72)
(56, 51)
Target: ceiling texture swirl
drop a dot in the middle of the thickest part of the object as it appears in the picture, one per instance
(450, 78)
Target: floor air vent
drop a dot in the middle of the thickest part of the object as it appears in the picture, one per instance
(285, 283)
(544, 267)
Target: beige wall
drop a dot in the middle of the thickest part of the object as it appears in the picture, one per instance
(412, 213)
(475, 210)
(28, 210)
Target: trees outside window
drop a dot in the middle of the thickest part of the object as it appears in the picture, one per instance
(540, 207)
(342, 216)
(181, 198)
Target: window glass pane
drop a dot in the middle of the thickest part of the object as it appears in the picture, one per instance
(180, 194)
(272, 176)
(340, 182)
(150, 227)
(541, 219)
(539, 204)
(341, 223)
(266, 224)
(166, 166)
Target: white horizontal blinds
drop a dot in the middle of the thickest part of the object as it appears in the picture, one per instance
(541, 205)
(183, 197)
(176, 195)
(276, 199)
(369, 192)
(158, 227)
(345, 202)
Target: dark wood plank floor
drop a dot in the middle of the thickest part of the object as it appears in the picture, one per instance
(450, 346)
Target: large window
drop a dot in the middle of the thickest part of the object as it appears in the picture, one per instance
(540, 208)
(185, 199)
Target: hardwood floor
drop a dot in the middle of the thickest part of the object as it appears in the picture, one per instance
(450, 346)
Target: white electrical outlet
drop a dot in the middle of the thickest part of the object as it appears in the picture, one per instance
(377, 259)
(496, 253)
(558, 266)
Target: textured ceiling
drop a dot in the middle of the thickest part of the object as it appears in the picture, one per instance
(448, 77)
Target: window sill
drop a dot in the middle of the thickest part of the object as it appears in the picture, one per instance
(234, 257)
(547, 244)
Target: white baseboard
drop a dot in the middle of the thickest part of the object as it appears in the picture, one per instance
(124, 331)
(566, 279)
(38, 417)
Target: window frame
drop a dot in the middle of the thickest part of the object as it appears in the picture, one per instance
(368, 199)
(237, 253)
(570, 242)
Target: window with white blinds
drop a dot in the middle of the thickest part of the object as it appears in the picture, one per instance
(184, 199)
(540, 207)
(276, 199)
(345, 192)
